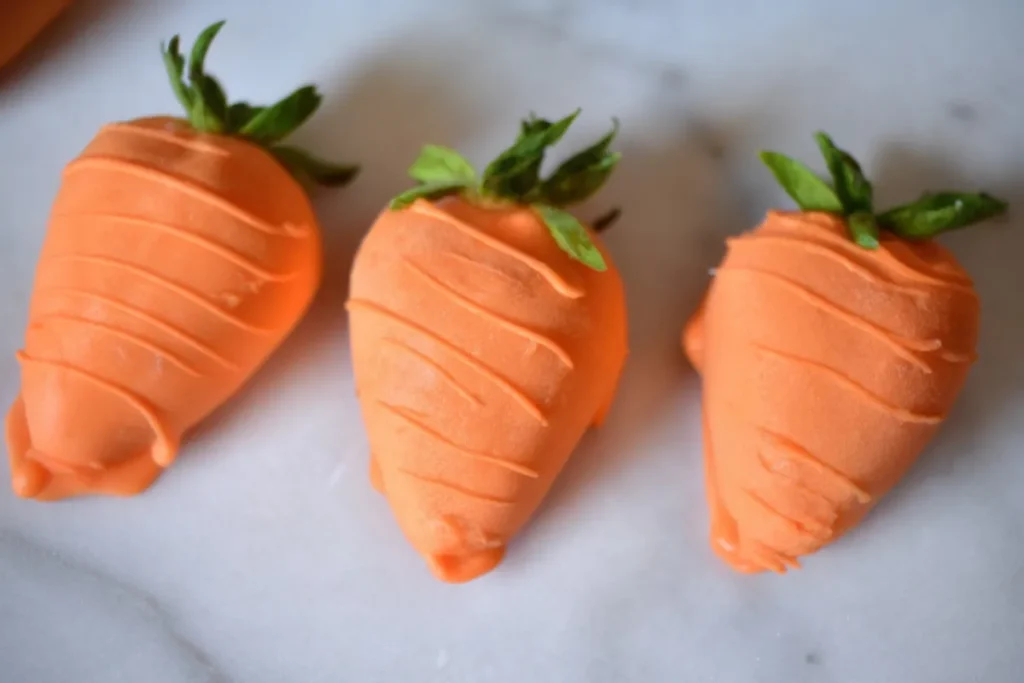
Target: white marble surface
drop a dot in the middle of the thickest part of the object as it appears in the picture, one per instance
(263, 555)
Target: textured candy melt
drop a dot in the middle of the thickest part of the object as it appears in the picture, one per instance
(482, 353)
(826, 369)
(174, 263)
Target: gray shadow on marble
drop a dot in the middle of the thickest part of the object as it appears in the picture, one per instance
(61, 621)
(991, 253)
(74, 25)
(679, 204)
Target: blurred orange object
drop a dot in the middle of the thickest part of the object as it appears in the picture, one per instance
(22, 20)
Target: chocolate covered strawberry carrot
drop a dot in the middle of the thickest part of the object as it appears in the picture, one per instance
(179, 254)
(488, 332)
(832, 345)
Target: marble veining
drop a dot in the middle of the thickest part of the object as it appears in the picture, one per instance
(65, 621)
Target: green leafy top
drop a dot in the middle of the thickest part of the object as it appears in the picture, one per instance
(514, 176)
(208, 111)
(851, 195)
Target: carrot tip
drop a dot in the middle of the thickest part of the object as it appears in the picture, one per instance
(164, 455)
(463, 568)
(29, 479)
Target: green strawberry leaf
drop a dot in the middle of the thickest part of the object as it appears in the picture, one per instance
(434, 190)
(210, 108)
(852, 197)
(442, 164)
(209, 103)
(810, 192)
(213, 93)
(197, 60)
(515, 177)
(515, 172)
(280, 120)
(204, 118)
(175, 65)
(864, 229)
(582, 174)
(440, 171)
(313, 169)
(852, 188)
(532, 125)
(240, 113)
(936, 213)
(209, 111)
(571, 236)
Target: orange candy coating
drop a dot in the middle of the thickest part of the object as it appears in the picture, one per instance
(827, 368)
(482, 353)
(174, 263)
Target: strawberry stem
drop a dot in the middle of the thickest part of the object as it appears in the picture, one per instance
(208, 110)
(514, 177)
(851, 195)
